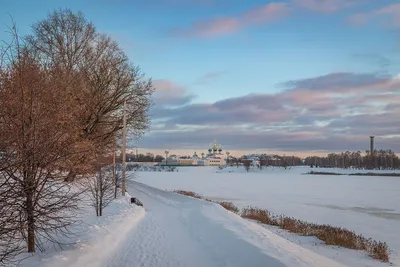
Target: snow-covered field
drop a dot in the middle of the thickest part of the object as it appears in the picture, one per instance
(367, 205)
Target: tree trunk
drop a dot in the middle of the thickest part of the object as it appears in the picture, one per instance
(100, 193)
(101, 203)
(97, 201)
(70, 177)
(115, 175)
(31, 221)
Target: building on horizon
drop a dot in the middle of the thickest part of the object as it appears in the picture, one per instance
(214, 157)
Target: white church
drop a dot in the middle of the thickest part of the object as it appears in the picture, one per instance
(214, 157)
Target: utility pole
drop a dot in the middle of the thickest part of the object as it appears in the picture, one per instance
(372, 149)
(115, 172)
(166, 157)
(371, 144)
(123, 182)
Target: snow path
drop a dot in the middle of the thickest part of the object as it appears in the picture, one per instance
(181, 231)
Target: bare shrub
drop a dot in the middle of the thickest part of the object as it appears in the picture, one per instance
(263, 162)
(188, 193)
(260, 215)
(101, 189)
(376, 174)
(247, 164)
(331, 235)
(229, 206)
(324, 173)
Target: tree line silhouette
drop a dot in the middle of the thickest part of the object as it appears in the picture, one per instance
(379, 160)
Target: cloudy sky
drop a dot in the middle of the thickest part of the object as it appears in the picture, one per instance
(294, 76)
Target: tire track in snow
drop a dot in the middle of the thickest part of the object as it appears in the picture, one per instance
(144, 246)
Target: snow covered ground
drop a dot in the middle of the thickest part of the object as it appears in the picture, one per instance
(367, 205)
(175, 230)
(95, 239)
(182, 231)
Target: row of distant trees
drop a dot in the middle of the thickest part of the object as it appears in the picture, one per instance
(265, 161)
(380, 159)
(148, 157)
(62, 90)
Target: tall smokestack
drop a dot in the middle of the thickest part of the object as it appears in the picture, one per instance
(371, 145)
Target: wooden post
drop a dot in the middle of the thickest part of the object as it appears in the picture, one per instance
(123, 182)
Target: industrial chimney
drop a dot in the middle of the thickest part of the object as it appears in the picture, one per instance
(371, 148)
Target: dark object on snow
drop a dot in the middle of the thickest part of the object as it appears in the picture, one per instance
(136, 201)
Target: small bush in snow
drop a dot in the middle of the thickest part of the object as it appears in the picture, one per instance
(325, 173)
(331, 235)
(188, 193)
(229, 206)
(101, 189)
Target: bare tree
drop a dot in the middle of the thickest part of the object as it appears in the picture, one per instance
(60, 109)
(38, 132)
(65, 40)
(11, 242)
(247, 164)
(101, 189)
(263, 162)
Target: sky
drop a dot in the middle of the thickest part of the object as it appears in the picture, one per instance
(298, 77)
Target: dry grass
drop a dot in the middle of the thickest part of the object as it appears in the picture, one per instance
(188, 193)
(331, 235)
(334, 236)
(376, 174)
(324, 173)
(229, 206)
(356, 174)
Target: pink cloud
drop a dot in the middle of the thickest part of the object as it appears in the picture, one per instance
(170, 93)
(227, 25)
(390, 15)
(339, 107)
(267, 13)
(392, 11)
(215, 27)
(259, 15)
(325, 6)
(167, 87)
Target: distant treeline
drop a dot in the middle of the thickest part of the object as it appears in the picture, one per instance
(148, 157)
(380, 159)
